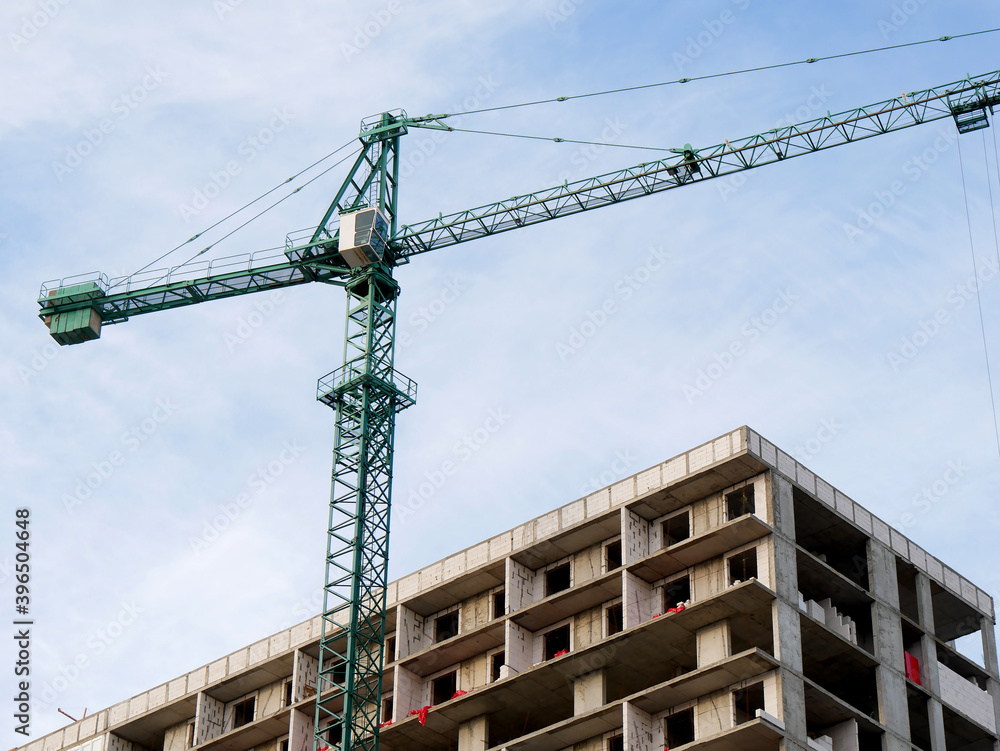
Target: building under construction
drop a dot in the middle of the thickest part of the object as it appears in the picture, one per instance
(727, 599)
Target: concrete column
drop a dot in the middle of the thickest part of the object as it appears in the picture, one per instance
(473, 735)
(986, 627)
(893, 708)
(787, 634)
(929, 675)
(590, 692)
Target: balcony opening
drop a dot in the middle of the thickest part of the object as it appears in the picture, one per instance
(906, 581)
(742, 566)
(243, 712)
(679, 728)
(613, 618)
(390, 650)
(443, 688)
(557, 579)
(676, 529)
(739, 503)
(499, 603)
(556, 642)
(189, 742)
(676, 592)
(334, 735)
(446, 627)
(746, 702)
(832, 539)
(386, 709)
(616, 743)
(496, 663)
(920, 725)
(613, 555)
(287, 692)
(283, 745)
(339, 673)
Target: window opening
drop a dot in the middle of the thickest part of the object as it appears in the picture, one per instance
(557, 642)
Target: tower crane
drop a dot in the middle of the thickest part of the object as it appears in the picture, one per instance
(356, 245)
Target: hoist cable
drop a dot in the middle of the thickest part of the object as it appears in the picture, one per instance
(979, 299)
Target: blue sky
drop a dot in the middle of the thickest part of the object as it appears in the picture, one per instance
(114, 121)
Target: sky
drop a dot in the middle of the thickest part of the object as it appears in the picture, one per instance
(177, 470)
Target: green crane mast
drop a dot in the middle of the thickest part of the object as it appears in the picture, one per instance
(356, 245)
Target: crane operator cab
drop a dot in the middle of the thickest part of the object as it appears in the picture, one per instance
(364, 236)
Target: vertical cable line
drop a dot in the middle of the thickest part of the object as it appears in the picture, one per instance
(989, 183)
(979, 299)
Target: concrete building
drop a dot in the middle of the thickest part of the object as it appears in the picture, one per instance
(724, 600)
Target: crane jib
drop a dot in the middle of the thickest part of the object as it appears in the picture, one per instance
(75, 309)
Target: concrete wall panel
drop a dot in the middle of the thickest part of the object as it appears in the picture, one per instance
(635, 537)
(518, 647)
(300, 731)
(638, 728)
(305, 673)
(587, 627)
(407, 692)
(637, 594)
(520, 585)
(208, 718)
(412, 632)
